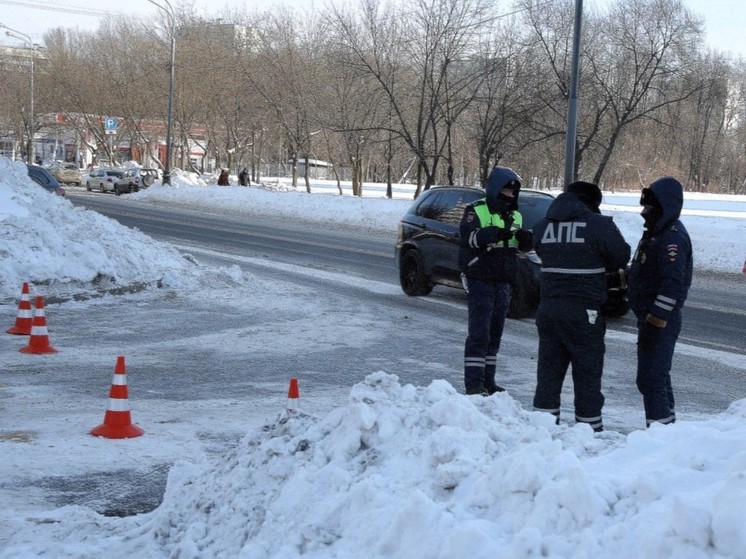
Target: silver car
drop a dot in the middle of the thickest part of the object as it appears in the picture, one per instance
(103, 179)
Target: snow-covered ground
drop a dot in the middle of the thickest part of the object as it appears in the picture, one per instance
(399, 471)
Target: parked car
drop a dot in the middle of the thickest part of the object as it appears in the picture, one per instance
(66, 173)
(134, 179)
(44, 178)
(148, 177)
(128, 182)
(103, 179)
(428, 241)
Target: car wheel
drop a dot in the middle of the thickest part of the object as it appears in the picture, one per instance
(412, 276)
(524, 293)
(147, 180)
(88, 186)
(117, 191)
(101, 186)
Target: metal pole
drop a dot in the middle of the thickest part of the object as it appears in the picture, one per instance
(22, 36)
(167, 170)
(572, 102)
(172, 32)
(32, 116)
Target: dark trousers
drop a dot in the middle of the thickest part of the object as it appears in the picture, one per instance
(488, 306)
(654, 372)
(570, 333)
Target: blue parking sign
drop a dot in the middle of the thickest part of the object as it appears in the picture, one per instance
(110, 123)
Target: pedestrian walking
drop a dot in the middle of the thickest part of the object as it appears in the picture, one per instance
(577, 246)
(243, 177)
(491, 235)
(658, 280)
(223, 179)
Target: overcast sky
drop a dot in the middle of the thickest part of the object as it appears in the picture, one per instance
(35, 17)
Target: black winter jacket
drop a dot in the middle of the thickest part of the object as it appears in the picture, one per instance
(661, 271)
(577, 247)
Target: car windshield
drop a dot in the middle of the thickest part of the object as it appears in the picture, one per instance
(115, 173)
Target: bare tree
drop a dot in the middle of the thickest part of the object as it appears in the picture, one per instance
(408, 52)
(432, 90)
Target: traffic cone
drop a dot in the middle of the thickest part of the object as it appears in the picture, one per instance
(23, 317)
(39, 341)
(117, 420)
(293, 395)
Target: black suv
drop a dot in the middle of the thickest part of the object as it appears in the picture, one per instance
(428, 243)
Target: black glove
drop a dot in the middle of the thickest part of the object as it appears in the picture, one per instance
(492, 234)
(525, 239)
(648, 336)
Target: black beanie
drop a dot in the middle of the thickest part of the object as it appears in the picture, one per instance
(588, 193)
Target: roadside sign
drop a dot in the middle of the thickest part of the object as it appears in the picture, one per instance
(110, 125)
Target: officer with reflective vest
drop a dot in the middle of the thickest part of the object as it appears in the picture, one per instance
(578, 247)
(491, 235)
(658, 280)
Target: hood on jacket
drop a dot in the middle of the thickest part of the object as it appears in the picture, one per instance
(588, 193)
(501, 178)
(567, 207)
(669, 194)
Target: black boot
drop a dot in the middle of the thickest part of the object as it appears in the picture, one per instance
(494, 388)
(476, 390)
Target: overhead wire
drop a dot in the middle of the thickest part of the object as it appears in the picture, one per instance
(57, 7)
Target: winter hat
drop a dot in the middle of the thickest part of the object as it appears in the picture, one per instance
(588, 193)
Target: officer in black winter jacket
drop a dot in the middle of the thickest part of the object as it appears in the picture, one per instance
(658, 283)
(577, 247)
(491, 235)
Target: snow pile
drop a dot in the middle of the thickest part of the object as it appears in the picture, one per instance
(45, 240)
(425, 472)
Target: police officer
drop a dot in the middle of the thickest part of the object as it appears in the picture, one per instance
(491, 234)
(577, 247)
(658, 279)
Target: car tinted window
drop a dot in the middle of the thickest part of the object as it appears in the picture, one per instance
(115, 173)
(533, 207)
(446, 205)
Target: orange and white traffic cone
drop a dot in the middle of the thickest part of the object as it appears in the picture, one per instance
(39, 341)
(117, 420)
(293, 395)
(23, 317)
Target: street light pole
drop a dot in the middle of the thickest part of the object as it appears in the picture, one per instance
(23, 37)
(169, 11)
(572, 101)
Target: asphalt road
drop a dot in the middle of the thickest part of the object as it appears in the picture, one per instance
(715, 313)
